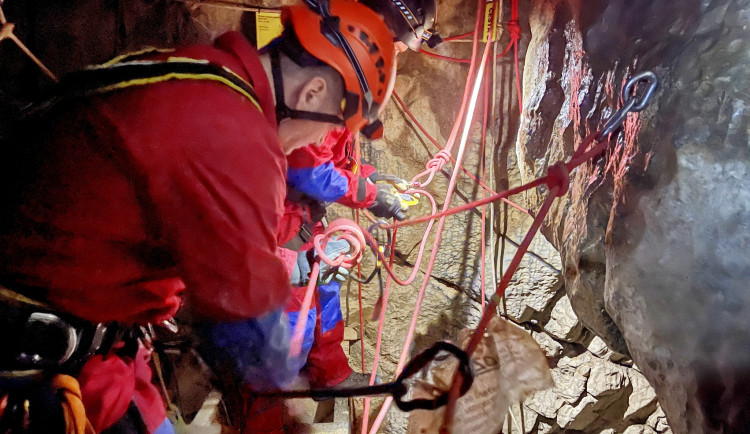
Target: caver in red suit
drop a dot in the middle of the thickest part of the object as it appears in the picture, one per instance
(122, 203)
(328, 172)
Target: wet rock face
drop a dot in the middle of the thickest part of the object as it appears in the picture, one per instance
(654, 236)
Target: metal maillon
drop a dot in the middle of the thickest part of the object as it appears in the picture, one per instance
(632, 103)
(397, 389)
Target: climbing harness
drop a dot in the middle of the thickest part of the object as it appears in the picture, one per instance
(397, 389)
(43, 338)
(109, 77)
(43, 349)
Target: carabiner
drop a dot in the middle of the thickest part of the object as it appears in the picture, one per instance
(645, 99)
(631, 103)
(465, 370)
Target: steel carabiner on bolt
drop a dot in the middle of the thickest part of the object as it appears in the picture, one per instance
(632, 102)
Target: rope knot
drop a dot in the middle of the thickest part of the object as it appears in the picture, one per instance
(438, 161)
(514, 29)
(6, 31)
(558, 176)
(347, 230)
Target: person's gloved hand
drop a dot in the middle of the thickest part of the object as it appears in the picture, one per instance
(317, 211)
(388, 203)
(340, 274)
(378, 178)
(334, 248)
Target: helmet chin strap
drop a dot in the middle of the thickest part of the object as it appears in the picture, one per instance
(283, 111)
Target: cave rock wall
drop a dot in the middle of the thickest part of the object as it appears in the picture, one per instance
(654, 235)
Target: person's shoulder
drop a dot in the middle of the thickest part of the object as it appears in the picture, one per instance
(236, 43)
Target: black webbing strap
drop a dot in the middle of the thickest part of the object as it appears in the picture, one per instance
(104, 79)
(285, 112)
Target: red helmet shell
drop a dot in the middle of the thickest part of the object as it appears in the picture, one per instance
(371, 42)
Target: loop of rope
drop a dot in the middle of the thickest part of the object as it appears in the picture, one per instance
(438, 161)
(433, 166)
(346, 230)
(349, 231)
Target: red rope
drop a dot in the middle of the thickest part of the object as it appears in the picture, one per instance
(378, 342)
(361, 316)
(514, 29)
(558, 182)
(457, 37)
(440, 56)
(454, 59)
(450, 408)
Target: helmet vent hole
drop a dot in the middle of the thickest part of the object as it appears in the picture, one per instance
(350, 28)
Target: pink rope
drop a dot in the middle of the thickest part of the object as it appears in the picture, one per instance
(436, 243)
(359, 301)
(352, 233)
(298, 335)
(436, 163)
(483, 255)
(420, 253)
(437, 145)
(381, 323)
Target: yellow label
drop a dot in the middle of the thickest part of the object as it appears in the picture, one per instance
(267, 27)
(490, 25)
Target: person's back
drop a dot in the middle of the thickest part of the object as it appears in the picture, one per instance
(115, 203)
(128, 194)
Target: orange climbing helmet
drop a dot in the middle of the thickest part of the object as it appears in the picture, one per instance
(353, 40)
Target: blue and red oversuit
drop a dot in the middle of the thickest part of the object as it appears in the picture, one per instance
(138, 198)
(326, 363)
(326, 172)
